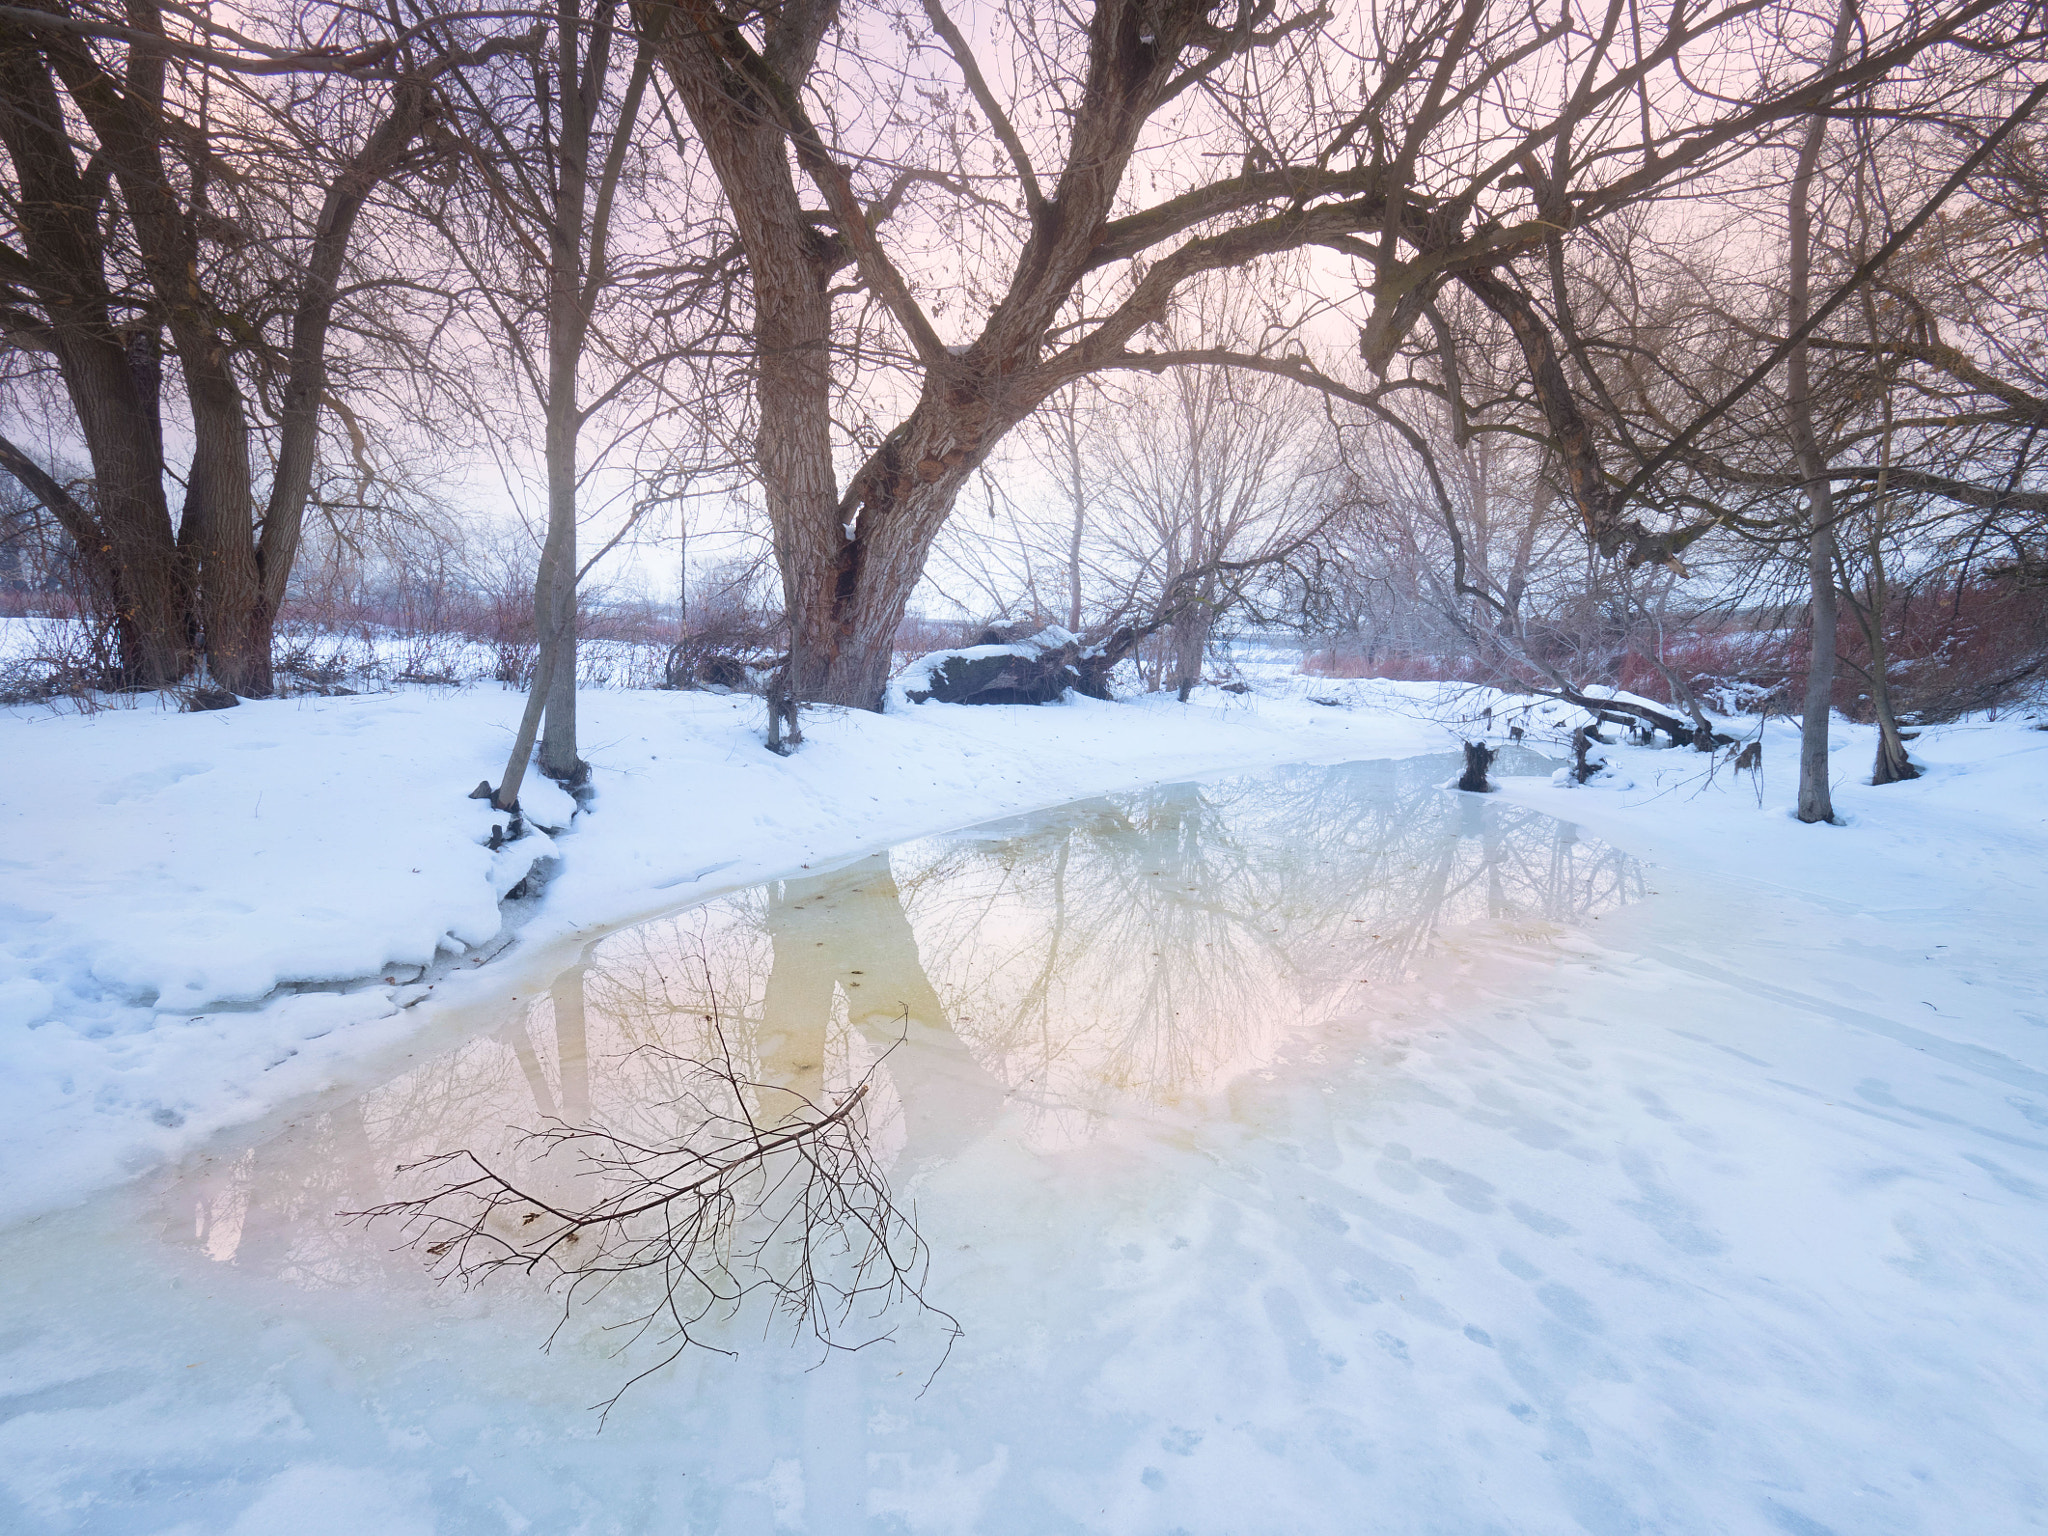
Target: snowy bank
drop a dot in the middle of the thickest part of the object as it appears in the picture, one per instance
(166, 875)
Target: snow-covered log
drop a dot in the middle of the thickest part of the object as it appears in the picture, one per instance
(1033, 670)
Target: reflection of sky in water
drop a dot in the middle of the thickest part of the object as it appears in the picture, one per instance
(1058, 969)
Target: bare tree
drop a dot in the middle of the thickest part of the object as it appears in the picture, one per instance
(1069, 279)
(156, 191)
(550, 153)
(1815, 801)
(1211, 482)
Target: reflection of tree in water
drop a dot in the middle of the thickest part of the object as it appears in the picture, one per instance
(1158, 943)
(1148, 945)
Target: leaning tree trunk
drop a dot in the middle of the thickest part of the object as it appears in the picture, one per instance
(846, 637)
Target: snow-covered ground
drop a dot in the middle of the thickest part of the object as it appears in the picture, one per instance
(163, 875)
(1720, 1209)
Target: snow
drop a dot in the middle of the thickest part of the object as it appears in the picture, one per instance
(165, 874)
(1724, 1210)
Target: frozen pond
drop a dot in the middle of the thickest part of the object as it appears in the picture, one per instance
(1314, 1150)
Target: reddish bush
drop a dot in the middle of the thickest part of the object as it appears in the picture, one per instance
(1950, 650)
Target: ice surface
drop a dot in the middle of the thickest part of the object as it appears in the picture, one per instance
(1445, 1169)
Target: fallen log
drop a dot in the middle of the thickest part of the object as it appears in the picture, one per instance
(996, 669)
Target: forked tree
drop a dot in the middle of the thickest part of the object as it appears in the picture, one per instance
(156, 192)
(1120, 151)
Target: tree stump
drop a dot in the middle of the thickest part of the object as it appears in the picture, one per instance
(1478, 758)
(1582, 743)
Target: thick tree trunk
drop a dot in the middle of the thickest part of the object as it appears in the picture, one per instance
(219, 522)
(843, 641)
(213, 577)
(217, 530)
(124, 537)
(131, 582)
(790, 264)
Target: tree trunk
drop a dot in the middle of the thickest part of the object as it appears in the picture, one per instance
(305, 389)
(790, 263)
(554, 588)
(124, 539)
(1893, 765)
(1815, 801)
(1816, 804)
(219, 523)
(555, 597)
(844, 640)
(1080, 494)
(1191, 640)
(216, 532)
(577, 273)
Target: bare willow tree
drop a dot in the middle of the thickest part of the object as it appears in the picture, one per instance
(1012, 237)
(169, 178)
(1213, 490)
(1186, 503)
